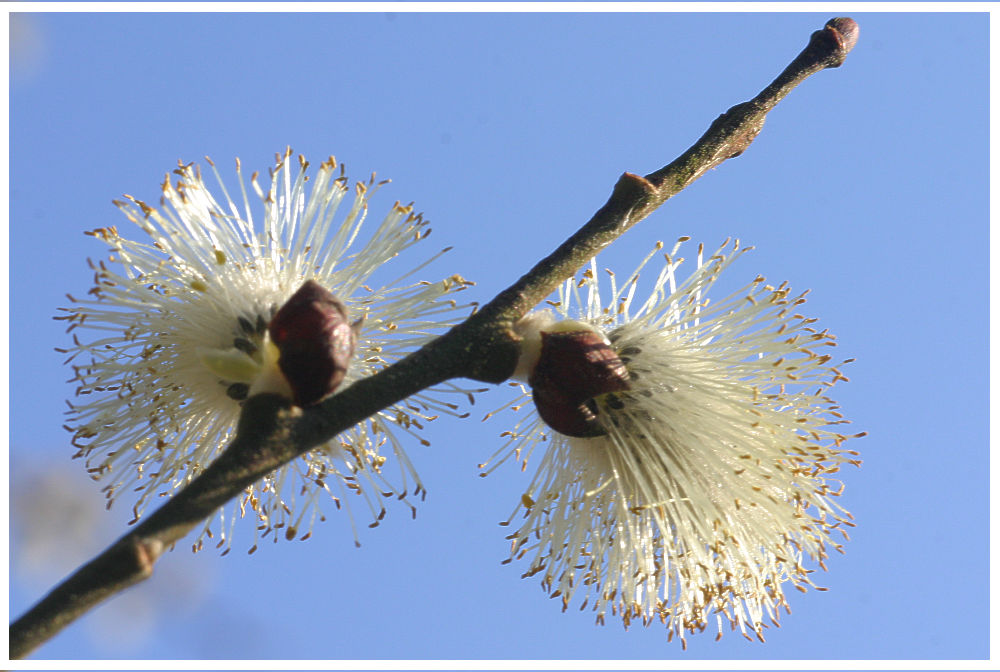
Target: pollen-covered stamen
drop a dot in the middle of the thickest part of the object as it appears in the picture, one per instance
(245, 346)
(243, 364)
(614, 402)
(238, 391)
(230, 364)
(576, 365)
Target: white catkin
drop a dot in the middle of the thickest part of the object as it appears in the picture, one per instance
(150, 411)
(714, 483)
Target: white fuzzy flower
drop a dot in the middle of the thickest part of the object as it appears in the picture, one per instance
(177, 336)
(712, 482)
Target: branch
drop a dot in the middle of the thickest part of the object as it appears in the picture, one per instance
(272, 431)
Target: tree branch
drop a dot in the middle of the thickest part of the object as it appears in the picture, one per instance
(272, 431)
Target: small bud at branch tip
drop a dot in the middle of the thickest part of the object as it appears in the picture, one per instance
(846, 29)
(844, 33)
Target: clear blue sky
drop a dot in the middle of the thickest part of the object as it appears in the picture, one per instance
(868, 185)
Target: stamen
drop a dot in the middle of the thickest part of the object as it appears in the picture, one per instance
(238, 391)
(244, 345)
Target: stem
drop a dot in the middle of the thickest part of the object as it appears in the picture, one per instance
(272, 431)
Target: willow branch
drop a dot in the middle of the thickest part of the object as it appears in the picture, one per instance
(272, 431)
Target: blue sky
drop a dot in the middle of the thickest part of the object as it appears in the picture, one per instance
(867, 185)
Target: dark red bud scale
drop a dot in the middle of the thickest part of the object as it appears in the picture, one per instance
(315, 342)
(574, 367)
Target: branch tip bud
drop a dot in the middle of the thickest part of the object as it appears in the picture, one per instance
(844, 30)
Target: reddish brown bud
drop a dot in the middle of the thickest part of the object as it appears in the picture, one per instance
(314, 341)
(835, 41)
(574, 367)
(846, 30)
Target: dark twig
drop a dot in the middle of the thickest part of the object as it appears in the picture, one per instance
(272, 432)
